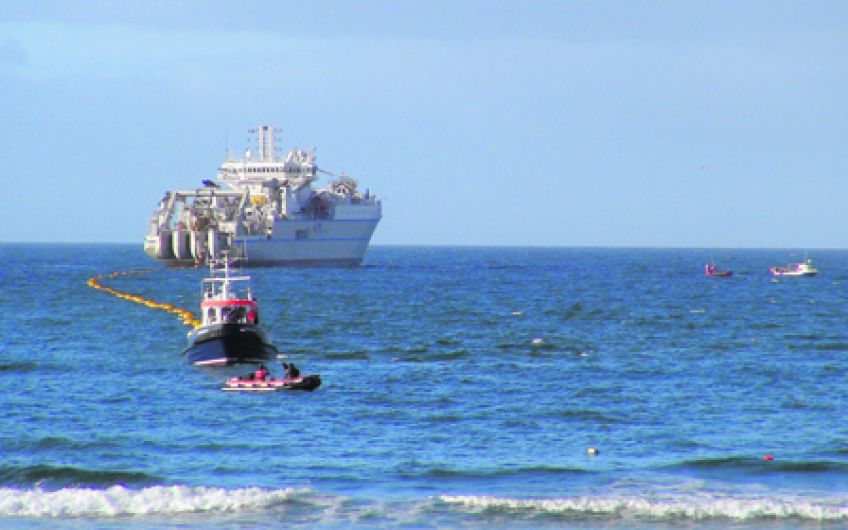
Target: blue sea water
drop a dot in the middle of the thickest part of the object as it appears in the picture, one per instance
(462, 387)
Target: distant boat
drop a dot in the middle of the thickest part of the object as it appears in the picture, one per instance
(711, 271)
(805, 268)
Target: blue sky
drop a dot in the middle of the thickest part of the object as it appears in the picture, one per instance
(494, 123)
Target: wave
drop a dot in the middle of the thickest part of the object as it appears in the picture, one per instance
(659, 508)
(118, 501)
(572, 311)
(434, 356)
(765, 325)
(532, 345)
(168, 501)
(448, 355)
(54, 477)
(443, 418)
(54, 442)
(832, 346)
(803, 336)
(439, 472)
(52, 321)
(347, 356)
(23, 366)
(762, 466)
(588, 415)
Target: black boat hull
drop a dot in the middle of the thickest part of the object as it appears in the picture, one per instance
(307, 382)
(226, 344)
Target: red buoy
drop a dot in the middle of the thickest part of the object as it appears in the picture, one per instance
(768, 458)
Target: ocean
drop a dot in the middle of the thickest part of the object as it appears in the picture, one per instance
(462, 387)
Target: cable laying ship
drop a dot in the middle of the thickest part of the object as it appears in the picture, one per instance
(268, 215)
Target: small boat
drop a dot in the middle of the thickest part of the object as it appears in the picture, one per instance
(229, 332)
(251, 384)
(805, 268)
(711, 271)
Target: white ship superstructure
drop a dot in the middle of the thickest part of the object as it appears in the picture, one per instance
(266, 211)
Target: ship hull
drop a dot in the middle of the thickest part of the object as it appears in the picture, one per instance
(226, 344)
(317, 242)
(297, 243)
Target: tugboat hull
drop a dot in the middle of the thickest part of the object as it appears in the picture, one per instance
(225, 344)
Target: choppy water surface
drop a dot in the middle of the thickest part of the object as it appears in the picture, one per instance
(462, 387)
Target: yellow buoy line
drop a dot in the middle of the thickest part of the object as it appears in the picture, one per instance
(187, 316)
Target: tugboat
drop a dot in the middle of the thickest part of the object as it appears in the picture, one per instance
(805, 268)
(229, 332)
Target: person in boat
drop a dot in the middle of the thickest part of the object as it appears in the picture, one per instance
(253, 314)
(292, 371)
(261, 373)
(234, 315)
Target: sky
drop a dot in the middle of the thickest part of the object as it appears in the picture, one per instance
(551, 123)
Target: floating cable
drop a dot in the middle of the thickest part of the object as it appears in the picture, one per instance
(187, 316)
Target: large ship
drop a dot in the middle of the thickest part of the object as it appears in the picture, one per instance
(264, 210)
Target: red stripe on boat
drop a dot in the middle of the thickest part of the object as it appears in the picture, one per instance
(227, 303)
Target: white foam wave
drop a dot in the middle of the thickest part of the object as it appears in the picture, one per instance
(697, 507)
(119, 501)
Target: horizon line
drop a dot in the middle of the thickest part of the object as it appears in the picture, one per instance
(482, 245)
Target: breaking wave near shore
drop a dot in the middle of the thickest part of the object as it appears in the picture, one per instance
(658, 508)
(162, 505)
(120, 501)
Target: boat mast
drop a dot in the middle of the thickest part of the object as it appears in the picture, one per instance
(225, 283)
(265, 143)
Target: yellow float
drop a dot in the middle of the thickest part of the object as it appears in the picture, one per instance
(186, 316)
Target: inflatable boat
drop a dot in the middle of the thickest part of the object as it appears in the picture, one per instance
(252, 384)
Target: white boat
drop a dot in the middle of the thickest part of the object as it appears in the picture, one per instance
(265, 211)
(805, 268)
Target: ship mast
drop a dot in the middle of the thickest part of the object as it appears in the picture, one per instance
(265, 143)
